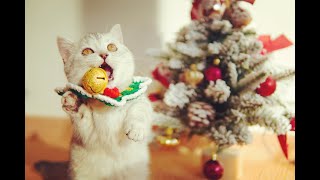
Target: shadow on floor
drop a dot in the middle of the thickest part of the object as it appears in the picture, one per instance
(48, 161)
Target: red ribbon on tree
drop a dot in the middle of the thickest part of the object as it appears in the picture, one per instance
(194, 10)
(249, 1)
(283, 143)
(154, 97)
(283, 138)
(271, 45)
(162, 79)
(293, 124)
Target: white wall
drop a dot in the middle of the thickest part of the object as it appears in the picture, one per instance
(138, 20)
(145, 23)
(275, 17)
(45, 20)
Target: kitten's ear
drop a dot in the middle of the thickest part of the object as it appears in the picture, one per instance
(116, 32)
(64, 46)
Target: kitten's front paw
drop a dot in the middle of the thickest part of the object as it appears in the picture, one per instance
(70, 102)
(135, 133)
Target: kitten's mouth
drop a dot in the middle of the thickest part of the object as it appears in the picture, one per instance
(108, 70)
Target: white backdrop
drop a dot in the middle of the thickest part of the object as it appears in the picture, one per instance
(146, 24)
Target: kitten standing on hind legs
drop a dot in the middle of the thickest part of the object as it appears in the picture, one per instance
(107, 142)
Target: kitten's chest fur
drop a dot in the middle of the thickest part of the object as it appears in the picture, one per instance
(108, 125)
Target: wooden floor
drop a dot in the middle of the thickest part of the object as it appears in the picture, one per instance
(48, 139)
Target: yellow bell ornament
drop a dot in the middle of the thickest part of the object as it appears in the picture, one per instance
(192, 76)
(95, 81)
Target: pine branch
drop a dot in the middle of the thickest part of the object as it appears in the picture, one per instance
(172, 48)
(249, 32)
(163, 120)
(257, 61)
(188, 60)
(233, 74)
(241, 59)
(251, 101)
(275, 100)
(251, 81)
(272, 117)
(284, 75)
(158, 54)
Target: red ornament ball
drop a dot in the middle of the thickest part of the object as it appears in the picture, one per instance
(213, 170)
(267, 88)
(113, 93)
(213, 73)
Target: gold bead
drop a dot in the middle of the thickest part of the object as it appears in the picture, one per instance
(95, 80)
(216, 61)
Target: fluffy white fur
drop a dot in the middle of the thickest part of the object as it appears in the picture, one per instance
(108, 142)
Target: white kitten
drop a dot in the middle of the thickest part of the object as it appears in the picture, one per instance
(107, 142)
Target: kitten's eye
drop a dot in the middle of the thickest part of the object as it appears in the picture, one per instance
(112, 47)
(87, 51)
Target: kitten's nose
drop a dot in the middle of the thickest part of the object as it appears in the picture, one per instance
(104, 56)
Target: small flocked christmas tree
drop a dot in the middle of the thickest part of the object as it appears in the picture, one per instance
(215, 79)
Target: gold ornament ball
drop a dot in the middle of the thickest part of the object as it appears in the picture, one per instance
(95, 81)
(192, 76)
(216, 61)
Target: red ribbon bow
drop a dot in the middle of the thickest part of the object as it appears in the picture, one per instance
(283, 138)
(154, 97)
(249, 1)
(194, 10)
(271, 45)
(162, 79)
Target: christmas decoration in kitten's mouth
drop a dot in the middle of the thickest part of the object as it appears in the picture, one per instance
(95, 80)
(138, 86)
